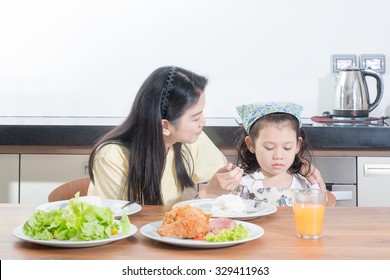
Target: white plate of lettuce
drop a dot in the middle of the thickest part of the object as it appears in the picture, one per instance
(18, 232)
(150, 231)
(78, 224)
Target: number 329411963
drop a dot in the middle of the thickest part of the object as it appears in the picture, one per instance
(228, 270)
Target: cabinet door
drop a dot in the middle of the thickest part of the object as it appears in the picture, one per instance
(40, 174)
(373, 181)
(9, 178)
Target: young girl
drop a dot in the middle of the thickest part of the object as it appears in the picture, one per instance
(273, 151)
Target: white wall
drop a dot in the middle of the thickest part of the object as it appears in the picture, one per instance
(88, 58)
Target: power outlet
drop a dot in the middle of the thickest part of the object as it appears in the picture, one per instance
(342, 61)
(374, 62)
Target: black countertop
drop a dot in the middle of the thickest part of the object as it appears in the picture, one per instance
(221, 131)
(331, 137)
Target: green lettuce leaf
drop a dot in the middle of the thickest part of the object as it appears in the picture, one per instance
(236, 233)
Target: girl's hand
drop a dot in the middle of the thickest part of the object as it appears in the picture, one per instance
(224, 181)
(314, 176)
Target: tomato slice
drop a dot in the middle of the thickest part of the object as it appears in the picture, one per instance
(199, 238)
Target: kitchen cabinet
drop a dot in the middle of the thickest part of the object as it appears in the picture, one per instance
(42, 168)
(374, 181)
(339, 174)
(9, 178)
(40, 174)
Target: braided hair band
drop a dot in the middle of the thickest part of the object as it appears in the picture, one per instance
(166, 91)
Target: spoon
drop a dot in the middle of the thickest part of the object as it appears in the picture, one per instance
(128, 204)
(256, 206)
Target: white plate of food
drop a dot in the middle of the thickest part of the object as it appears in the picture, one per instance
(115, 205)
(248, 213)
(18, 233)
(150, 231)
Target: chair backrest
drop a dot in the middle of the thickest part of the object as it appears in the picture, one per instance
(331, 200)
(69, 189)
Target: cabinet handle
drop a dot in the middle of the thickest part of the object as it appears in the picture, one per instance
(375, 170)
(86, 169)
(343, 195)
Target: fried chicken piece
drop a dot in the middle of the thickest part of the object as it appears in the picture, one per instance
(185, 222)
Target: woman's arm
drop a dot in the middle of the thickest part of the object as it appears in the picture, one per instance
(223, 181)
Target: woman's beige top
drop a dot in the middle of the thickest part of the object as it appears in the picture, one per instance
(111, 168)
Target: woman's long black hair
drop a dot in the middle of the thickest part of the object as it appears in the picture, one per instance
(166, 94)
(247, 160)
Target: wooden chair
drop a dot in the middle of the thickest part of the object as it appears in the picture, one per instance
(331, 200)
(69, 189)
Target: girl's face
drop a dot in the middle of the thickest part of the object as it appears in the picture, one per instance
(275, 148)
(188, 128)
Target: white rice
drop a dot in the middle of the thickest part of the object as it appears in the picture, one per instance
(228, 204)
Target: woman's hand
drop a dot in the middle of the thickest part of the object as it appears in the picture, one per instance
(224, 181)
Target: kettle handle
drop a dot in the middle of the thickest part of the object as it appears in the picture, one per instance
(379, 87)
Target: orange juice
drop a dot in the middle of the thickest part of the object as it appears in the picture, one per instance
(309, 219)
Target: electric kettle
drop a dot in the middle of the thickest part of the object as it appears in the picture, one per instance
(352, 97)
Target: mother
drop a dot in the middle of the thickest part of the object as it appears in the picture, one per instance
(159, 153)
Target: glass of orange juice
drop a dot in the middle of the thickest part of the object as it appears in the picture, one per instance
(309, 210)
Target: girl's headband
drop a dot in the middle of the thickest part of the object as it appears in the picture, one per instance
(252, 112)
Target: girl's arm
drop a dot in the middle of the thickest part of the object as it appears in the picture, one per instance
(314, 176)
